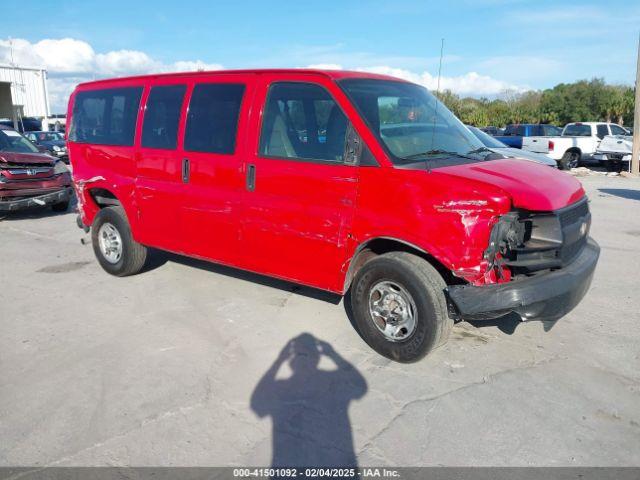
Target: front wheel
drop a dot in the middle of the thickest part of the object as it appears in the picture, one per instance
(116, 250)
(399, 306)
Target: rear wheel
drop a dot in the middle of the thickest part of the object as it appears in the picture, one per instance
(399, 306)
(116, 250)
(570, 160)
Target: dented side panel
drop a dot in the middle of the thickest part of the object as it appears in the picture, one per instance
(451, 221)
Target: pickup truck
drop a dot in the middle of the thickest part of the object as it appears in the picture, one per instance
(514, 133)
(578, 142)
(613, 150)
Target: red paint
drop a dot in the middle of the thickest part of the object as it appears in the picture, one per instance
(305, 220)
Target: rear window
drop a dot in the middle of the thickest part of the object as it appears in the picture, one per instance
(576, 130)
(212, 122)
(105, 117)
(514, 130)
(616, 130)
(161, 117)
(551, 130)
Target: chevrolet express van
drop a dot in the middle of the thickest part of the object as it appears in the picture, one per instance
(342, 181)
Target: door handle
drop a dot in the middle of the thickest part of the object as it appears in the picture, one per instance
(185, 170)
(251, 177)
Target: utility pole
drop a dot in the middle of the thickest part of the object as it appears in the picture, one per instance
(635, 155)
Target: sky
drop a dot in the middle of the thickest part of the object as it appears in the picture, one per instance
(490, 46)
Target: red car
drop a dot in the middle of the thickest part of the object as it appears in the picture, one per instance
(343, 181)
(29, 178)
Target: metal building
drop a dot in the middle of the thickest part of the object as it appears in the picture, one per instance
(23, 92)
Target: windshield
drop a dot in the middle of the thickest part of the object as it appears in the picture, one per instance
(12, 141)
(48, 136)
(486, 139)
(577, 130)
(411, 123)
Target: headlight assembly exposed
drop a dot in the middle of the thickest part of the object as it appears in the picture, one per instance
(56, 148)
(506, 235)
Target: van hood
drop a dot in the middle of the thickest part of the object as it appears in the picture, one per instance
(530, 186)
(25, 158)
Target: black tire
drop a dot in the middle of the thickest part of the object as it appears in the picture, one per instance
(60, 207)
(426, 288)
(133, 255)
(569, 160)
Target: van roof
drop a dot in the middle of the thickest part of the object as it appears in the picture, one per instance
(333, 74)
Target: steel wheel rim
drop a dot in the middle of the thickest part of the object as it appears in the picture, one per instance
(392, 310)
(110, 243)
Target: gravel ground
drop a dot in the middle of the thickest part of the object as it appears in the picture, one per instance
(190, 364)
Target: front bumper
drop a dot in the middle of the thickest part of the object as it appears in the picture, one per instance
(50, 198)
(547, 296)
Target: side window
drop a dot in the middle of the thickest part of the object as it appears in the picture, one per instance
(550, 130)
(616, 130)
(161, 117)
(105, 117)
(212, 122)
(602, 131)
(302, 120)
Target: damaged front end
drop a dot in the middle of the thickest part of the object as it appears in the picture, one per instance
(24, 184)
(543, 263)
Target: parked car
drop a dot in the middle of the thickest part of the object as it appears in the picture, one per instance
(29, 178)
(614, 150)
(578, 142)
(54, 123)
(342, 181)
(500, 148)
(514, 133)
(53, 143)
(25, 124)
(491, 130)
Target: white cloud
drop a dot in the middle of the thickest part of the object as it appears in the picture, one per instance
(325, 66)
(189, 66)
(64, 55)
(125, 62)
(471, 84)
(70, 61)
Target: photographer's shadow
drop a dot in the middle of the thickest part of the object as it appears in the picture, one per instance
(309, 409)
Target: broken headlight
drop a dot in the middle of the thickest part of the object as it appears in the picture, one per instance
(506, 236)
(60, 168)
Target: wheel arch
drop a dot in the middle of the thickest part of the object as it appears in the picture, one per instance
(380, 245)
(104, 197)
(98, 196)
(573, 150)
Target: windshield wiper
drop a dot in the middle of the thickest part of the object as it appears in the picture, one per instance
(430, 153)
(480, 150)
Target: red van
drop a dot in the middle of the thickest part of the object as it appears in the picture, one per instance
(343, 181)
